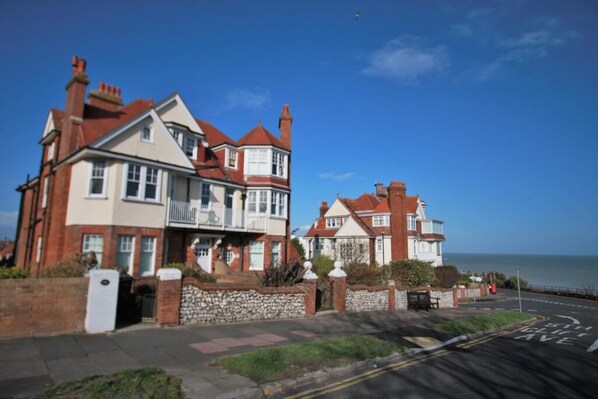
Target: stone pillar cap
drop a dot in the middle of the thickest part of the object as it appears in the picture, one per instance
(169, 274)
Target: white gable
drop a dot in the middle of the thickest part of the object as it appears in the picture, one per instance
(161, 148)
(173, 109)
(421, 212)
(351, 228)
(337, 209)
(49, 125)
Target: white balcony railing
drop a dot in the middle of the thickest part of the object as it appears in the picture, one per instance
(216, 217)
(430, 226)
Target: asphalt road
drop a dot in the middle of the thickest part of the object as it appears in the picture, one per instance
(557, 357)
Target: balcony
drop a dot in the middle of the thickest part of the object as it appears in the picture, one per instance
(430, 226)
(183, 214)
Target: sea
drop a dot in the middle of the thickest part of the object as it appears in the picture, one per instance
(548, 270)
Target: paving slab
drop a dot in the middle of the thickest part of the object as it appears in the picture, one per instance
(69, 369)
(18, 388)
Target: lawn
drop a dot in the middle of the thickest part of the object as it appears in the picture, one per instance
(472, 324)
(145, 383)
(271, 364)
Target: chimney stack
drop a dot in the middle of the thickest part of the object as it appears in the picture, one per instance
(397, 200)
(284, 125)
(106, 97)
(323, 208)
(380, 190)
(73, 110)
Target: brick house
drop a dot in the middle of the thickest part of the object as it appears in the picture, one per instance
(381, 227)
(143, 184)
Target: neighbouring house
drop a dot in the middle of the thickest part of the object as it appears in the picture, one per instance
(382, 227)
(6, 251)
(143, 184)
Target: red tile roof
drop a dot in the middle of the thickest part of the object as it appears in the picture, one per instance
(213, 135)
(412, 204)
(97, 122)
(260, 136)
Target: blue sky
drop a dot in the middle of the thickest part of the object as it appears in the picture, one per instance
(488, 110)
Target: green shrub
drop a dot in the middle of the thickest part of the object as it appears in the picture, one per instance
(323, 265)
(464, 280)
(283, 275)
(512, 283)
(412, 273)
(191, 270)
(361, 273)
(498, 278)
(446, 276)
(75, 266)
(13, 273)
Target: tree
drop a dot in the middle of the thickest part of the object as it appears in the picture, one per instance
(297, 244)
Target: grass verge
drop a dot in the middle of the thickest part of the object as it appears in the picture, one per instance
(134, 384)
(472, 324)
(271, 364)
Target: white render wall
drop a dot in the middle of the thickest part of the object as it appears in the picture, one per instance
(111, 210)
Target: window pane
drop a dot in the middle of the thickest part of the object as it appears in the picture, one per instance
(133, 179)
(146, 260)
(93, 243)
(205, 196)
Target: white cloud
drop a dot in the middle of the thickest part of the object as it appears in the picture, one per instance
(407, 59)
(8, 218)
(526, 47)
(461, 30)
(336, 176)
(243, 98)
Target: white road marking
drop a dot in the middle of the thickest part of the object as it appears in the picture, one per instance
(593, 347)
(574, 320)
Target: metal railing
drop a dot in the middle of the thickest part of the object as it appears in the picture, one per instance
(216, 217)
(547, 289)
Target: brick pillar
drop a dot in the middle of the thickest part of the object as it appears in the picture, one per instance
(339, 293)
(339, 287)
(311, 280)
(391, 295)
(310, 298)
(168, 296)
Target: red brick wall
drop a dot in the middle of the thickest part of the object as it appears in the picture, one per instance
(74, 243)
(169, 302)
(31, 307)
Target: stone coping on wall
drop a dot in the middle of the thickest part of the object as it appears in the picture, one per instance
(362, 287)
(298, 289)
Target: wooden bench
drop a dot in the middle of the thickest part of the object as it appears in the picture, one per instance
(421, 300)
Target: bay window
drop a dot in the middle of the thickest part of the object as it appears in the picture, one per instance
(93, 243)
(256, 255)
(381, 220)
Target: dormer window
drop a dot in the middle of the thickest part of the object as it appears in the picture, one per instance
(411, 223)
(146, 134)
(190, 147)
(381, 220)
(50, 156)
(231, 158)
(332, 223)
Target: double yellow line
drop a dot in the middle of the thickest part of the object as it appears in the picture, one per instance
(368, 375)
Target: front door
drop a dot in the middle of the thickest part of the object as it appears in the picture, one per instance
(202, 253)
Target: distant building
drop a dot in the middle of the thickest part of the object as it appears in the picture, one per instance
(381, 227)
(6, 251)
(143, 184)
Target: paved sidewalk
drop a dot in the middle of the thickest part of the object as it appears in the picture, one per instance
(30, 365)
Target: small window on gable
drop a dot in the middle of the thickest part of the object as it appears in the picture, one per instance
(146, 134)
(50, 152)
(190, 146)
(232, 158)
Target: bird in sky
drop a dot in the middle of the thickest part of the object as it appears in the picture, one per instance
(357, 15)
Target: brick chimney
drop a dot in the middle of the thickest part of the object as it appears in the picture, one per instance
(397, 194)
(284, 124)
(323, 208)
(73, 110)
(106, 97)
